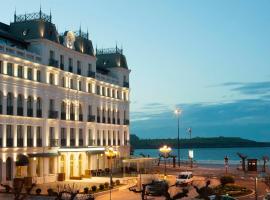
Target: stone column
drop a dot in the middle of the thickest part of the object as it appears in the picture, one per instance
(34, 136)
(101, 138)
(116, 138)
(107, 138)
(35, 107)
(15, 69)
(76, 136)
(15, 105)
(5, 104)
(68, 136)
(24, 106)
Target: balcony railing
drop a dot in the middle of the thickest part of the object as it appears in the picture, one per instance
(126, 122)
(53, 62)
(20, 111)
(126, 84)
(9, 142)
(20, 142)
(72, 142)
(91, 142)
(54, 143)
(63, 115)
(70, 68)
(80, 117)
(91, 118)
(39, 113)
(30, 142)
(72, 116)
(63, 142)
(91, 74)
(39, 142)
(53, 114)
(98, 119)
(30, 112)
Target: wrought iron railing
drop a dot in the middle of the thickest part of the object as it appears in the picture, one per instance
(91, 118)
(109, 51)
(33, 16)
(54, 143)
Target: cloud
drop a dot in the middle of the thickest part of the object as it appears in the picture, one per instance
(248, 118)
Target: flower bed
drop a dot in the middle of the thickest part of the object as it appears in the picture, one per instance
(232, 190)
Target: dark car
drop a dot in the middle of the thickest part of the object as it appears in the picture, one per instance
(156, 188)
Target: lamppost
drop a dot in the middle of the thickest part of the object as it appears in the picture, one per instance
(110, 153)
(190, 151)
(226, 162)
(178, 112)
(165, 150)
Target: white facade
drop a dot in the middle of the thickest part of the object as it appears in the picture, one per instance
(60, 120)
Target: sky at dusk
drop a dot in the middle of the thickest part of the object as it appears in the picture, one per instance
(210, 58)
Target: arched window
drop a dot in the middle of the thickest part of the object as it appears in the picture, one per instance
(80, 113)
(72, 111)
(63, 110)
(1, 103)
(51, 79)
(39, 107)
(30, 106)
(10, 104)
(20, 105)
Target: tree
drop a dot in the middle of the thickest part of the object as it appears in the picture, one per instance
(205, 191)
(243, 158)
(265, 160)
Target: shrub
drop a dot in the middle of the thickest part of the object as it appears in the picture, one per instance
(106, 184)
(101, 187)
(117, 182)
(50, 192)
(86, 190)
(38, 191)
(94, 188)
(226, 180)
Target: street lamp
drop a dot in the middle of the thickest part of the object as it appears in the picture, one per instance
(190, 151)
(111, 153)
(165, 150)
(178, 112)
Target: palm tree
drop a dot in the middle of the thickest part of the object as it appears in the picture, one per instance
(265, 160)
(243, 158)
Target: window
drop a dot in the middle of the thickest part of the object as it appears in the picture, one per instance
(10, 69)
(63, 110)
(80, 85)
(29, 74)
(51, 104)
(51, 54)
(9, 136)
(80, 113)
(79, 70)
(113, 93)
(38, 75)
(71, 84)
(29, 136)
(108, 92)
(80, 137)
(89, 110)
(90, 67)
(90, 138)
(20, 71)
(98, 89)
(72, 137)
(1, 102)
(10, 104)
(39, 137)
(51, 79)
(89, 87)
(72, 111)
(103, 91)
(63, 82)
(62, 62)
(30, 106)
(52, 137)
(1, 135)
(70, 65)
(63, 137)
(39, 107)
(20, 105)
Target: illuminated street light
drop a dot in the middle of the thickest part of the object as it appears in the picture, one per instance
(110, 153)
(178, 112)
(165, 150)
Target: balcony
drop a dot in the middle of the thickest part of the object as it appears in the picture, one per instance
(30, 142)
(91, 74)
(126, 84)
(53, 114)
(63, 142)
(72, 116)
(39, 142)
(29, 112)
(9, 142)
(54, 143)
(20, 142)
(63, 115)
(20, 111)
(10, 110)
(126, 122)
(72, 142)
(39, 113)
(53, 62)
(91, 118)
(80, 117)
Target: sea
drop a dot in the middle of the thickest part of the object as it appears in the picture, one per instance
(213, 155)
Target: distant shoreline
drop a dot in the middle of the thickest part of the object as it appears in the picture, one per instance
(209, 147)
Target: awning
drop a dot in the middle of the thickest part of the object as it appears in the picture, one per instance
(32, 155)
(22, 160)
(88, 150)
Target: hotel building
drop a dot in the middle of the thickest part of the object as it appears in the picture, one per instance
(61, 102)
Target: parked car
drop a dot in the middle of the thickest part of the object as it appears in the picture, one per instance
(184, 178)
(223, 197)
(156, 188)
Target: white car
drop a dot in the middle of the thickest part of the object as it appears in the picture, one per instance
(184, 178)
